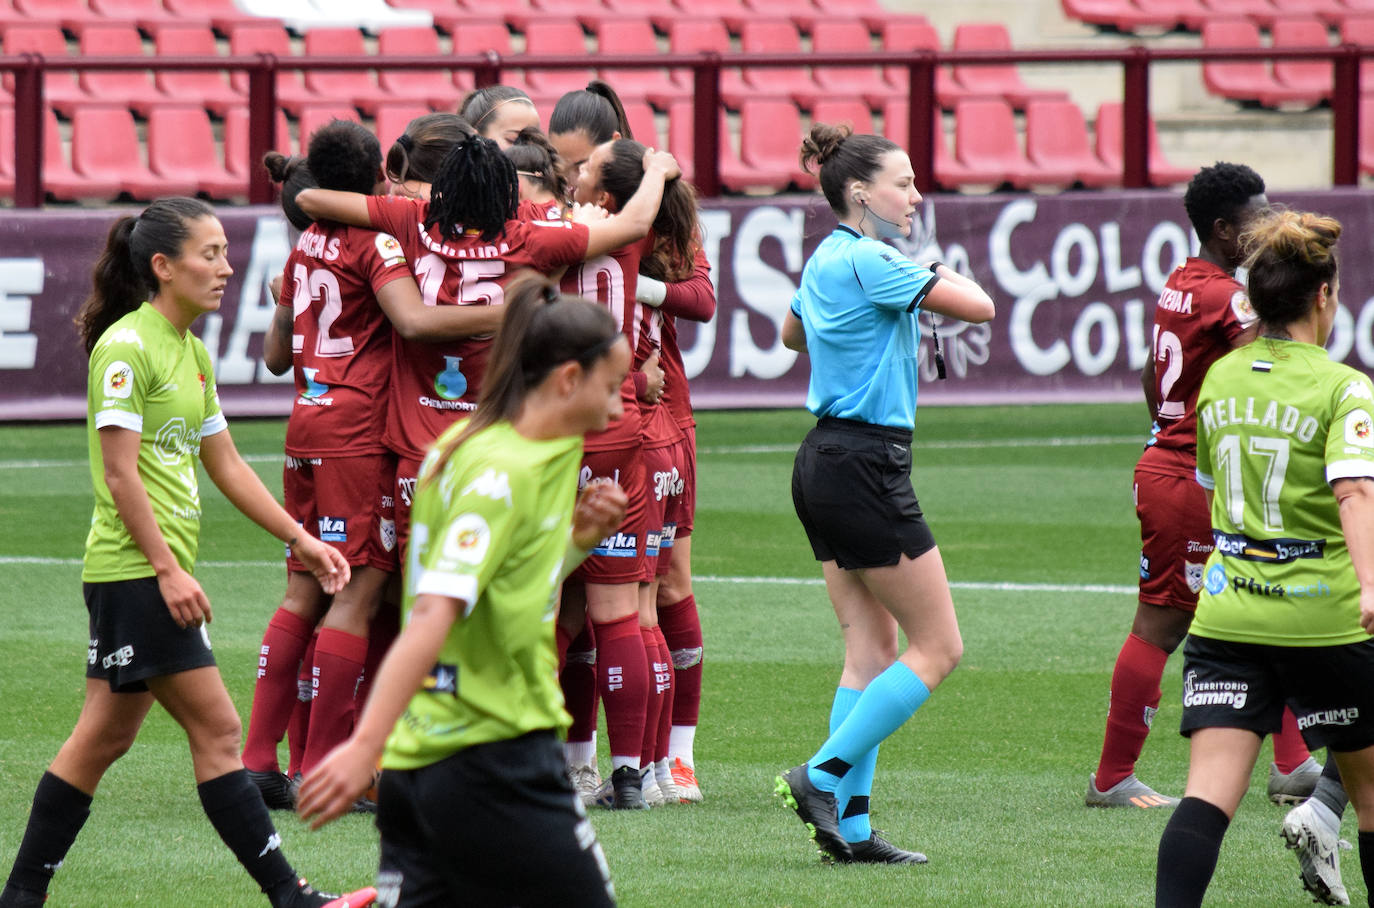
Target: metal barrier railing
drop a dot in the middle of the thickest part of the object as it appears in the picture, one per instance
(29, 71)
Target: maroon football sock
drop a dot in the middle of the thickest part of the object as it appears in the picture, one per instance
(274, 696)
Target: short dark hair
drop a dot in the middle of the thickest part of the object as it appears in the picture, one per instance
(1219, 192)
(346, 156)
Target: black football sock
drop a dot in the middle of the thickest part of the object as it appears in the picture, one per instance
(1188, 853)
(1329, 790)
(1367, 862)
(237, 812)
(59, 811)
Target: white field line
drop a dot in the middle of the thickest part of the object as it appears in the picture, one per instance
(1076, 441)
(761, 581)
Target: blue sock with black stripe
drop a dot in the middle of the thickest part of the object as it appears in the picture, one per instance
(851, 796)
(888, 701)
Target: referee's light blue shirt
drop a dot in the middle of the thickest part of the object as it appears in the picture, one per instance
(858, 300)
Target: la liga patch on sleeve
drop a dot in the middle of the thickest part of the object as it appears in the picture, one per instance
(390, 250)
(1359, 428)
(119, 380)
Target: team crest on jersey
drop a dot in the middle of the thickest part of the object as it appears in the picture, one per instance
(1357, 388)
(442, 679)
(387, 531)
(1192, 575)
(390, 250)
(119, 380)
(468, 539)
(1359, 428)
(1240, 305)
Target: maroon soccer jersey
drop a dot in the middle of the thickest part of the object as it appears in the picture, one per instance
(434, 384)
(695, 299)
(340, 338)
(1200, 312)
(538, 211)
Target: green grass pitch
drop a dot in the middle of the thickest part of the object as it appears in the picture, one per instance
(1032, 508)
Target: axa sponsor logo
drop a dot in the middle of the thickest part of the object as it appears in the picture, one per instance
(1269, 551)
(1345, 716)
(333, 529)
(1214, 693)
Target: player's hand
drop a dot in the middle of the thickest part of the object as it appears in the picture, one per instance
(599, 510)
(662, 161)
(653, 391)
(187, 602)
(324, 561)
(1367, 610)
(274, 287)
(332, 788)
(588, 214)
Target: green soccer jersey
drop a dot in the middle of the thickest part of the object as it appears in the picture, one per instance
(1278, 422)
(492, 530)
(147, 378)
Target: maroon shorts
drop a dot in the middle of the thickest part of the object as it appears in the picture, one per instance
(1175, 538)
(667, 467)
(688, 498)
(620, 557)
(407, 470)
(346, 502)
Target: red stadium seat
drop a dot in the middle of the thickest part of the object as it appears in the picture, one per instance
(392, 120)
(724, 11)
(769, 133)
(148, 15)
(1254, 10)
(1367, 134)
(7, 151)
(843, 110)
(105, 146)
(1330, 12)
(1248, 80)
(1191, 14)
(846, 36)
(986, 145)
(434, 88)
(1002, 80)
(681, 125)
(208, 88)
(224, 16)
(561, 37)
(769, 36)
(59, 179)
(910, 34)
(643, 123)
(1110, 141)
(1359, 29)
(1313, 76)
(949, 174)
(236, 140)
(636, 36)
(449, 15)
(870, 12)
(477, 36)
(135, 88)
(1124, 15)
(73, 15)
(60, 89)
(801, 12)
(693, 36)
(657, 12)
(261, 37)
(1057, 142)
(313, 116)
(181, 146)
(356, 87)
(589, 13)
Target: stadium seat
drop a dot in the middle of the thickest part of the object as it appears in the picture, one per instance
(7, 151)
(998, 79)
(1366, 134)
(694, 36)
(636, 36)
(60, 89)
(910, 34)
(769, 131)
(313, 116)
(829, 35)
(587, 13)
(105, 146)
(434, 88)
(1110, 141)
(1330, 12)
(1124, 15)
(556, 37)
(643, 123)
(769, 36)
(836, 110)
(181, 146)
(236, 126)
(871, 13)
(1191, 14)
(392, 119)
(1254, 10)
(948, 173)
(59, 179)
(148, 15)
(801, 12)
(208, 88)
(224, 15)
(270, 38)
(135, 88)
(73, 15)
(660, 14)
(448, 15)
(681, 128)
(724, 11)
(1359, 29)
(986, 145)
(1248, 80)
(477, 36)
(1313, 76)
(357, 87)
(1057, 142)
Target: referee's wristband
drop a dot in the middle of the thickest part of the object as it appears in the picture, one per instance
(936, 263)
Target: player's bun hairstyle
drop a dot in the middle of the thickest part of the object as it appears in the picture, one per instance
(595, 110)
(476, 188)
(346, 156)
(479, 104)
(293, 173)
(675, 226)
(840, 157)
(123, 277)
(541, 330)
(1290, 254)
(533, 153)
(418, 152)
(1219, 192)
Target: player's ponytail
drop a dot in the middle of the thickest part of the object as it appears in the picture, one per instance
(541, 330)
(476, 188)
(417, 153)
(676, 229)
(1290, 255)
(537, 160)
(123, 276)
(595, 110)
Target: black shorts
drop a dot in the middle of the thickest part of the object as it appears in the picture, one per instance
(851, 486)
(133, 636)
(1246, 685)
(496, 824)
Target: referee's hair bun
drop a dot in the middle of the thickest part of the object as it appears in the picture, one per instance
(822, 144)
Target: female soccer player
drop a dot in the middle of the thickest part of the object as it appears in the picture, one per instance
(1202, 313)
(855, 314)
(1285, 452)
(475, 807)
(543, 190)
(153, 410)
(499, 112)
(585, 119)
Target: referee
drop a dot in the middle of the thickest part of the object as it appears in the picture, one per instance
(855, 313)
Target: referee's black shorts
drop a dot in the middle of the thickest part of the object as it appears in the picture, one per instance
(496, 825)
(851, 486)
(133, 637)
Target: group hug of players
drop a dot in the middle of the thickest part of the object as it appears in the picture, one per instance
(388, 307)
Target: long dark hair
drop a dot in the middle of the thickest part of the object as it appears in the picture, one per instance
(540, 331)
(676, 230)
(479, 104)
(596, 110)
(417, 153)
(533, 153)
(123, 276)
(475, 188)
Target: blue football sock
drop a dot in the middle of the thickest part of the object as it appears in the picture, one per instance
(851, 796)
(888, 701)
